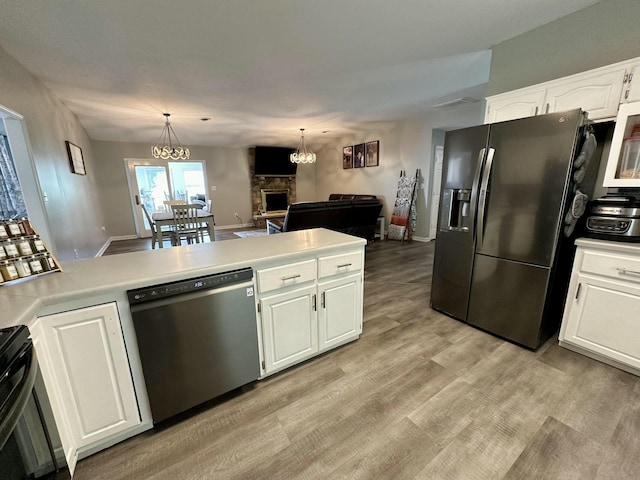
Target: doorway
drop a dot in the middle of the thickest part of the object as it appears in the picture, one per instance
(152, 182)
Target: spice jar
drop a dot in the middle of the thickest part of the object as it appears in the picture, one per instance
(4, 233)
(14, 229)
(51, 263)
(8, 271)
(3, 253)
(23, 268)
(38, 245)
(35, 265)
(11, 250)
(26, 226)
(44, 263)
(24, 247)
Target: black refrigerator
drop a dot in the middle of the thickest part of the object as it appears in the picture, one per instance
(509, 197)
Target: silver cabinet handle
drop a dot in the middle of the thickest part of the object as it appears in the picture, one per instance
(344, 265)
(284, 279)
(624, 271)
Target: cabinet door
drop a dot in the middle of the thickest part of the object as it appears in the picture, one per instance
(631, 92)
(90, 368)
(621, 172)
(289, 327)
(340, 313)
(598, 94)
(512, 106)
(604, 317)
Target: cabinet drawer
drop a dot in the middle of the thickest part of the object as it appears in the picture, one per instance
(286, 275)
(612, 265)
(337, 264)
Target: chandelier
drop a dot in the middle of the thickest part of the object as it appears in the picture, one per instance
(301, 155)
(165, 148)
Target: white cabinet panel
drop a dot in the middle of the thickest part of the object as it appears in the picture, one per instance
(89, 365)
(340, 317)
(631, 92)
(598, 94)
(512, 106)
(602, 310)
(290, 327)
(286, 275)
(605, 318)
(339, 264)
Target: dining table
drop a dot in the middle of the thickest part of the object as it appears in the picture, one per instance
(165, 219)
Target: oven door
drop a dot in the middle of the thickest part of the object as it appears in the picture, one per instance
(28, 438)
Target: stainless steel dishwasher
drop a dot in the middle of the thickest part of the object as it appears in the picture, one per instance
(197, 339)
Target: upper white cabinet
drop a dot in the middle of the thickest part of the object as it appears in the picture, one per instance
(86, 372)
(604, 274)
(623, 164)
(598, 92)
(514, 105)
(631, 91)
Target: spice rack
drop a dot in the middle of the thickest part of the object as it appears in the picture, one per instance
(23, 254)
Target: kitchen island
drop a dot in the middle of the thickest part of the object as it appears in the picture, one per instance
(308, 299)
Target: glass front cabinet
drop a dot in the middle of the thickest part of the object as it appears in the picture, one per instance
(623, 165)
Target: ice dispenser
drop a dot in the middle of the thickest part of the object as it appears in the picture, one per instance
(457, 204)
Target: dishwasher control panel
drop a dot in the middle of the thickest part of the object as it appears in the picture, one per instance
(207, 282)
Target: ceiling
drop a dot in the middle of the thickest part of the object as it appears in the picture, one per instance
(260, 69)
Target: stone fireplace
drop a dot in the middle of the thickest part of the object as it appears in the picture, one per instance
(258, 184)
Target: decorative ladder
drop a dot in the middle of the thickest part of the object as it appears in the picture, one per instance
(403, 219)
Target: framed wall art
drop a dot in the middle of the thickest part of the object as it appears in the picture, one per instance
(347, 157)
(76, 160)
(372, 153)
(358, 156)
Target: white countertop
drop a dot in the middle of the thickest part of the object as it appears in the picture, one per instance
(20, 302)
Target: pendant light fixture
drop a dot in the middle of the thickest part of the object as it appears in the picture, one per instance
(301, 155)
(165, 148)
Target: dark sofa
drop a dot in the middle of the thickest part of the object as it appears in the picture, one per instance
(353, 214)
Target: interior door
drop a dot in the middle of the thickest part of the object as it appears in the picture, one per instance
(151, 182)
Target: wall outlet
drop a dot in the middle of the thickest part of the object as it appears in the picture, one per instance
(213, 188)
(104, 229)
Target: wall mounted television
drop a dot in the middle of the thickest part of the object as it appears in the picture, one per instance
(274, 162)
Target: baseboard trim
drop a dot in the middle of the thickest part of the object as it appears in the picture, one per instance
(237, 225)
(104, 247)
(421, 239)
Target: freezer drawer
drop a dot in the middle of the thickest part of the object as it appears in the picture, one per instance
(508, 299)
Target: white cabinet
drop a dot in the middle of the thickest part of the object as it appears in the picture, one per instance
(598, 92)
(602, 312)
(289, 327)
(621, 171)
(340, 313)
(631, 90)
(309, 306)
(86, 372)
(519, 104)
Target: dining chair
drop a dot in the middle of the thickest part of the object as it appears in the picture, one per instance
(203, 228)
(186, 223)
(166, 234)
(168, 203)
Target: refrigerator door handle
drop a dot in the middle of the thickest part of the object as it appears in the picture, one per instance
(474, 189)
(482, 200)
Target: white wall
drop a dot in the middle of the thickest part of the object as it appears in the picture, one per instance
(227, 170)
(404, 145)
(72, 215)
(604, 33)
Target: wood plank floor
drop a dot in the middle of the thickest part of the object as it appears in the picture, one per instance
(418, 396)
